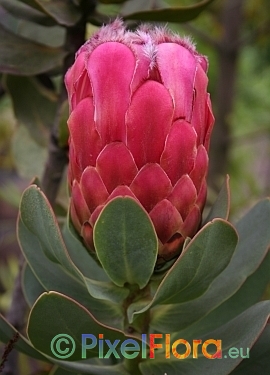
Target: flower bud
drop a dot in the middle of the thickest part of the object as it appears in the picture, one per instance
(140, 125)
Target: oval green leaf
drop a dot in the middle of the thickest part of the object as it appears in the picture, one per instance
(31, 287)
(241, 332)
(20, 56)
(130, 6)
(175, 14)
(51, 36)
(204, 258)
(87, 264)
(43, 247)
(111, 1)
(62, 11)
(23, 11)
(8, 332)
(55, 314)
(89, 368)
(251, 292)
(33, 105)
(126, 242)
(252, 247)
(259, 357)
(221, 207)
(31, 3)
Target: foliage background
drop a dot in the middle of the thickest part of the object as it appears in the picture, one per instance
(235, 34)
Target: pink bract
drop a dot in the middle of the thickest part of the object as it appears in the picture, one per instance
(140, 125)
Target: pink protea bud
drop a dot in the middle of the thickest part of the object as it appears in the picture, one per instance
(140, 125)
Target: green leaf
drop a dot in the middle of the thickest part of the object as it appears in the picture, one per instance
(51, 36)
(96, 279)
(43, 247)
(31, 3)
(204, 258)
(60, 371)
(106, 290)
(32, 288)
(29, 156)
(34, 105)
(63, 128)
(240, 332)
(37, 216)
(89, 369)
(176, 14)
(250, 293)
(126, 242)
(10, 193)
(7, 332)
(112, 1)
(23, 11)
(258, 361)
(20, 56)
(253, 245)
(131, 6)
(91, 366)
(87, 264)
(221, 206)
(55, 314)
(62, 11)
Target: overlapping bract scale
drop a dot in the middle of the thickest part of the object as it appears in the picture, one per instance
(140, 125)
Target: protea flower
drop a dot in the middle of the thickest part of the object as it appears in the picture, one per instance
(140, 124)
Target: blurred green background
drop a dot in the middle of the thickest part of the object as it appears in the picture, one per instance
(234, 34)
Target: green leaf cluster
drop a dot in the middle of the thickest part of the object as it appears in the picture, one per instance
(212, 291)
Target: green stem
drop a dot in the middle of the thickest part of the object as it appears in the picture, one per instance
(132, 365)
(138, 327)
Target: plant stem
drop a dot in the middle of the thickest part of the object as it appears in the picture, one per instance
(132, 365)
(139, 326)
